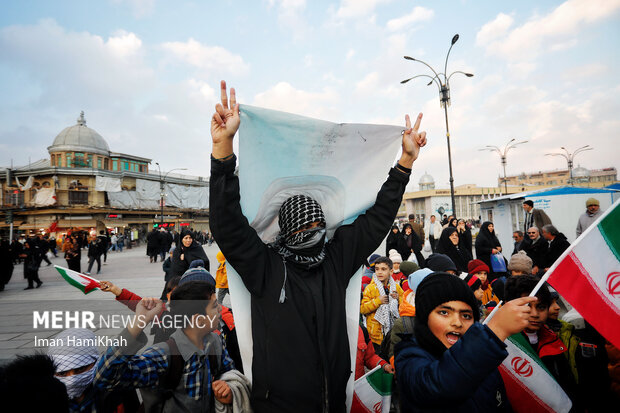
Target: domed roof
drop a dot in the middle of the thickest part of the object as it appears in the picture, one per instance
(426, 179)
(80, 138)
(580, 172)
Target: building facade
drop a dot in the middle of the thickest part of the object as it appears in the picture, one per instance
(581, 176)
(84, 185)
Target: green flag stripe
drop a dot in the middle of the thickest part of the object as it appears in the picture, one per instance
(609, 228)
(73, 282)
(381, 382)
(519, 341)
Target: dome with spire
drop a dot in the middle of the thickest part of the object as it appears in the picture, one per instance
(580, 172)
(426, 182)
(80, 138)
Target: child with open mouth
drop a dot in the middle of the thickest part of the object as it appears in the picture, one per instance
(451, 361)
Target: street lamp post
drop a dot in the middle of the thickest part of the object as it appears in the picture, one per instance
(443, 84)
(162, 194)
(569, 158)
(502, 154)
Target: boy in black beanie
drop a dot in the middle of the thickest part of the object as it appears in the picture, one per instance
(443, 367)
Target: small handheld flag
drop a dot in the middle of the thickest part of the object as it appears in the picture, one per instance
(82, 282)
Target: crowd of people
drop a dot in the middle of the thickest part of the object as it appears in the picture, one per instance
(420, 318)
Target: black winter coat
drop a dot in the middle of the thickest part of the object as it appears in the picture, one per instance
(537, 251)
(191, 253)
(301, 357)
(556, 248)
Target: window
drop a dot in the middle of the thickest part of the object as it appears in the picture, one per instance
(98, 162)
(105, 163)
(78, 197)
(114, 165)
(78, 160)
(90, 161)
(68, 160)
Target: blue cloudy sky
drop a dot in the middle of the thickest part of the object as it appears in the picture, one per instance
(146, 73)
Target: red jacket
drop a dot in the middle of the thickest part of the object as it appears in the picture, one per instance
(365, 355)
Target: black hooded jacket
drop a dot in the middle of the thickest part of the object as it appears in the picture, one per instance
(191, 253)
(301, 352)
(459, 256)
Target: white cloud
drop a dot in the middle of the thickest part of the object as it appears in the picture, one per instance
(124, 44)
(283, 96)
(494, 29)
(291, 16)
(350, 54)
(80, 67)
(357, 8)
(206, 57)
(546, 32)
(419, 14)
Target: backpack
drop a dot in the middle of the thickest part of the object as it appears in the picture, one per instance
(386, 345)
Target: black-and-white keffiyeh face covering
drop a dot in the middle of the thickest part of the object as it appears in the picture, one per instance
(76, 348)
(306, 246)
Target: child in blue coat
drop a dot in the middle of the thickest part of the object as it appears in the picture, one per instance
(450, 363)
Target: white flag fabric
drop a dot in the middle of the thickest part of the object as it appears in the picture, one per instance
(341, 166)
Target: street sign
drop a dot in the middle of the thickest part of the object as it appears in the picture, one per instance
(9, 217)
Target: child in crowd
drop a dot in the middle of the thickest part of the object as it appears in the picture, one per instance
(407, 268)
(442, 263)
(404, 324)
(520, 264)
(397, 275)
(75, 358)
(369, 271)
(587, 358)
(192, 371)
(366, 356)
(475, 285)
(550, 349)
(452, 362)
(481, 270)
(380, 301)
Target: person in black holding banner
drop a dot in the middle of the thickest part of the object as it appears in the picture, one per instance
(297, 284)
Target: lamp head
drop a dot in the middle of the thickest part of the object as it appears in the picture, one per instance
(455, 38)
(408, 57)
(469, 74)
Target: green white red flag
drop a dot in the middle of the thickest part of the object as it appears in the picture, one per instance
(529, 385)
(80, 281)
(373, 392)
(587, 275)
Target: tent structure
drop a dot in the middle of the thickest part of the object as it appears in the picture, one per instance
(562, 204)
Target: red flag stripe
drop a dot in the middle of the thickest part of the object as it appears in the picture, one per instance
(522, 398)
(574, 283)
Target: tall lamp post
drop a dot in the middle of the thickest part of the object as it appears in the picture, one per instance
(442, 80)
(569, 158)
(502, 154)
(162, 194)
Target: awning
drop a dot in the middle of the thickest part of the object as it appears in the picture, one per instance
(82, 223)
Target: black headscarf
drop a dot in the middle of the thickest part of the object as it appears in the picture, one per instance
(459, 256)
(488, 235)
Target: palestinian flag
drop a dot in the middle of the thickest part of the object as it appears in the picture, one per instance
(587, 275)
(82, 282)
(373, 392)
(529, 385)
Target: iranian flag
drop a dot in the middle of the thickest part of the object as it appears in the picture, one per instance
(529, 385)
(587, 275)
(82, 282)
(373, 392)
